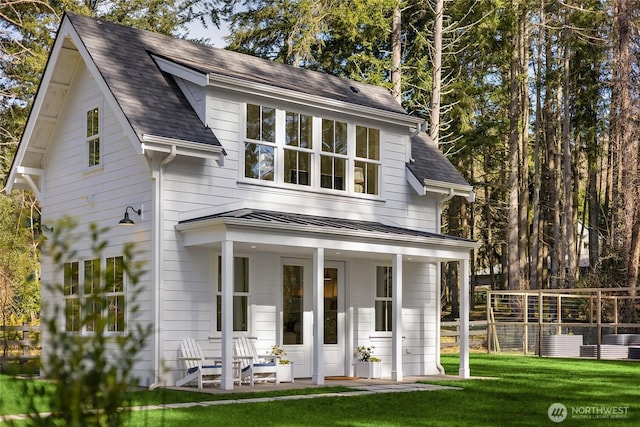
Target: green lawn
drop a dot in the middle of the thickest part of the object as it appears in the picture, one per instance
(520, 393)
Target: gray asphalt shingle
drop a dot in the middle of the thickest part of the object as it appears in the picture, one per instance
(431, 164)
(154, 105)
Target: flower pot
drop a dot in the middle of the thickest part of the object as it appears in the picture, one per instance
(285, 373)
(368, 369)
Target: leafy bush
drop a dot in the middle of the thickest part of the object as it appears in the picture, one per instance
(90, 371)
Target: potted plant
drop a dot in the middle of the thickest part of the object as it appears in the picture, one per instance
(367, 365)
(285, 366)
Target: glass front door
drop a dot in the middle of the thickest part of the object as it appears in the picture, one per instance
(334, 319)
(297, 316)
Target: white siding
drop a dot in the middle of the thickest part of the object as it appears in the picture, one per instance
(189, 184)
(98, 196)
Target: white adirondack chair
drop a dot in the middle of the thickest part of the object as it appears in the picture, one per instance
(198, 367)
(254, 366)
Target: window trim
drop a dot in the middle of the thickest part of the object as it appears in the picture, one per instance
(217, 259)
(81, 297)
(316, 152)
(376, 298)
(89, 139)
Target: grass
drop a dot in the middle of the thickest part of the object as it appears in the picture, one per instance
(519, 394)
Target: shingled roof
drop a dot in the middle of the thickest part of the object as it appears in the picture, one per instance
(154, 104)
(431, 165)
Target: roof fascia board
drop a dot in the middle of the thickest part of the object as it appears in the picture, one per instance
(185, 148)
(294, 97)
(415, 183)
(181, 71)
(305, 229)
(37, 105)
(449, 189)
(438, 187)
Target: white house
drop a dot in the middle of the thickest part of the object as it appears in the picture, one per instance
(269, 201)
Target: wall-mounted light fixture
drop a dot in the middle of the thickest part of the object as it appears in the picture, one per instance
(126, 220)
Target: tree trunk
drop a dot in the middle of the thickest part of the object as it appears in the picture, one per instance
(569, 230)
(434, 125)
(396, 55)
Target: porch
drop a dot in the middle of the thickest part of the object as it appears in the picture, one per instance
(313, 250)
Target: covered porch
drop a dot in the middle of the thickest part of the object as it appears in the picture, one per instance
(318, 249)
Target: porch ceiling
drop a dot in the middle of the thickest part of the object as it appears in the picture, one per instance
(297, 234)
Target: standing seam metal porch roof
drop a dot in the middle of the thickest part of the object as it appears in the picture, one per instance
(335, 225)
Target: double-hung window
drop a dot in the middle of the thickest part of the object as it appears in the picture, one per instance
(259, 149)
(114, 277)
(93, 136)
(298, 148)
(99, 297)
(240, 295)
(333, 161)
(71, 296)
(93, 303)
(383, 298)
(367, 161)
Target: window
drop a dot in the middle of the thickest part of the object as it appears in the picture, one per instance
(93, 136)
(259, 157)
(115, 293)
(240, 295)
(292, 304)
(383, 299)
(71, 297)
(334, 155)
(294, 149)
(99, 296)
(91, 288)
(367, 162)
(298, 149)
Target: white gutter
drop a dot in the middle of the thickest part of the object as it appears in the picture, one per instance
(181, 147)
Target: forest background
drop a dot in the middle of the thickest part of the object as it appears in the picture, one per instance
(534, 101)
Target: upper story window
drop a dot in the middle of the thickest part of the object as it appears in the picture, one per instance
(260, 146)
(367, 161)
(287, 147)
(298, 148)
(93, 136)
(333, 160)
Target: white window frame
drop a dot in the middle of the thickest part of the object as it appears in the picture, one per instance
(316, 152)
(81, 297)
(89, 139)
(216, 329)
(378, 298)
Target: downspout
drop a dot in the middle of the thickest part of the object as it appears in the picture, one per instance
(157, 256)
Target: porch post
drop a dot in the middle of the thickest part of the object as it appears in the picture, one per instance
(318, 316)
(464, 371)
(227, 315)
(396, 334)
